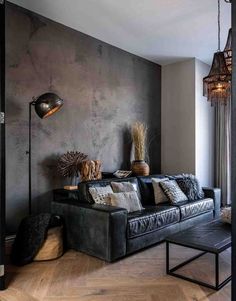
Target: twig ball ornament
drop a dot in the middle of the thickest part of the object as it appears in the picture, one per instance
(69, 164)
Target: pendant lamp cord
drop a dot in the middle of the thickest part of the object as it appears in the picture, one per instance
(218, 25)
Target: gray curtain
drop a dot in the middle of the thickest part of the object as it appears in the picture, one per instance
(222, 151)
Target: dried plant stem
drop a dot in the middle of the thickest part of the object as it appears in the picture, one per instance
(139, 134)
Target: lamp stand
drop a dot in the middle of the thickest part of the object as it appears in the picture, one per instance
(45, 105)
(29, 152)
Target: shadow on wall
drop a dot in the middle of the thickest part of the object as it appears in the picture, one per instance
(126, 149)
(42, 203)
(49, 171)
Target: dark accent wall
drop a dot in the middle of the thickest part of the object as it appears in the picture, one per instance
(105, 90)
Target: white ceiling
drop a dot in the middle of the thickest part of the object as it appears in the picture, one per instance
(163, 31)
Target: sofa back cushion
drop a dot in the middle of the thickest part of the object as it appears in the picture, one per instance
(146, 189)
(83, 187)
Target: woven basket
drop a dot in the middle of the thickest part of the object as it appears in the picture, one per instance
(52, 247)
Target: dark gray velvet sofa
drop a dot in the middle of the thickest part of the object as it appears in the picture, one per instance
(111, 233)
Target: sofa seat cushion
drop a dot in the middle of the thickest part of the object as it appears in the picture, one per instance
(193, 208)
(151, 219)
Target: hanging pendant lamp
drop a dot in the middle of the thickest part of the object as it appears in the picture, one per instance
(217, 85)
(228, 51)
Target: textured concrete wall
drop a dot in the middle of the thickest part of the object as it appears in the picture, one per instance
(105, 89)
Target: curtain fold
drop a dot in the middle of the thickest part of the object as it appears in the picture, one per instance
(222, 150)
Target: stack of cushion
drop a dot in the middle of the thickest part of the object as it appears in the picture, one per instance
(177, 189)
(174, 190)
(119, 194)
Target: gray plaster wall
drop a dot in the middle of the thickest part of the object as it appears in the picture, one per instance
(105, 90)
(187, 121)
(178, 117)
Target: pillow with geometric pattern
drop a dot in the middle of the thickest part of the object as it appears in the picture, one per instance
(100, 194)
(173, 192)
(190, 186)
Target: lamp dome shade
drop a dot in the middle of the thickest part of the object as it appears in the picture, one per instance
(47, 104)
(228, 51)
(217, 85)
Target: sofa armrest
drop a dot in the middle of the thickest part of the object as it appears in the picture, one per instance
(97, 230)
(215, 194)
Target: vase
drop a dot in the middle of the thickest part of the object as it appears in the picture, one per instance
(140, 168)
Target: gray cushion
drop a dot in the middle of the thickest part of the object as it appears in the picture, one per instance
(124, 186)
(151, 219)
(159, 194)
(127, 200)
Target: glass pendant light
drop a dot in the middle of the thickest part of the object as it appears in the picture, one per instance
(217, 85)
(228, 51)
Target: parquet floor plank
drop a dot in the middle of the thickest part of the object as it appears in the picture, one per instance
(140, 277)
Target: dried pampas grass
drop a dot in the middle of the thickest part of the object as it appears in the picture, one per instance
(139, 135)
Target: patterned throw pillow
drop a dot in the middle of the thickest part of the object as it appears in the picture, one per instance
(127, 200)
(172, 190)
(190, 186)
(100, 194)
(159, 194)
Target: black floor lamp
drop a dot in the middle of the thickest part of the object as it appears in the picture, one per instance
(45, 105)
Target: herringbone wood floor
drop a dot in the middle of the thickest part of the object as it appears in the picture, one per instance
(140, 277)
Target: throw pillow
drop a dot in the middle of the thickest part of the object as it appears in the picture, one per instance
(159, 195)
(226, 215)
(172, 190)
(127, 200)
(100, 194)
(190, 186)
(123, 186)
